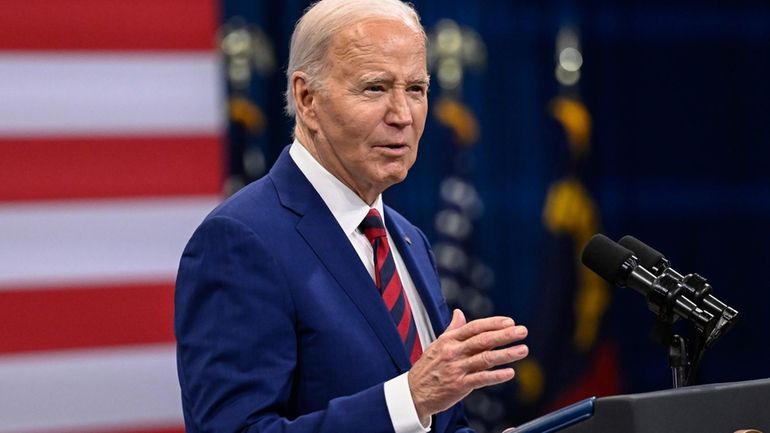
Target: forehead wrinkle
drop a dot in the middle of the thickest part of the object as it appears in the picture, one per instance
(351, 52)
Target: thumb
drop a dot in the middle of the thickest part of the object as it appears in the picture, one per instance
(458, 320)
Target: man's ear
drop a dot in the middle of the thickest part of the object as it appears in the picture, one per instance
(304, 100)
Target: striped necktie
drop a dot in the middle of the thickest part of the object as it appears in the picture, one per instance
(389, 283)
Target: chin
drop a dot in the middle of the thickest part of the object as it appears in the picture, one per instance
(394, 178)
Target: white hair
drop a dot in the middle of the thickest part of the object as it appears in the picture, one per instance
(313, 33)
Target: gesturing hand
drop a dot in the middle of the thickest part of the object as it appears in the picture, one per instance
(460, 360)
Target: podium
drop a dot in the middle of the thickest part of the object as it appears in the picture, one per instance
(713, 408)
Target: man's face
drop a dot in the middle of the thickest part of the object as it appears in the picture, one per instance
(372, 105)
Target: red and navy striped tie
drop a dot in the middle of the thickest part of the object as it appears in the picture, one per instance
(389, 283)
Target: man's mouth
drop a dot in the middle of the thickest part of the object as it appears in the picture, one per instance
(394, 146)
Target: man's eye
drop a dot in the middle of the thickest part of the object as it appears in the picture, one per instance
(417, 89)
(375, 88)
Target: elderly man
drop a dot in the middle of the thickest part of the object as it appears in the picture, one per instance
(304, 304)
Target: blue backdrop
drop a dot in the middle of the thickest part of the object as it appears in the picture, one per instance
(679, 94)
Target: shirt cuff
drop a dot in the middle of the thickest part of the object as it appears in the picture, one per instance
(403, 414)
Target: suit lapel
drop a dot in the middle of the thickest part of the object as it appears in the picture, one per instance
(332, 247)
(404, 242)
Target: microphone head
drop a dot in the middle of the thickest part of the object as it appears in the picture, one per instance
(605, 257)
(648, 256)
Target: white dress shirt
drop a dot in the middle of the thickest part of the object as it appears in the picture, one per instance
(349, 210)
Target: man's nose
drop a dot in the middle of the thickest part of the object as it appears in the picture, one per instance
(399, 113)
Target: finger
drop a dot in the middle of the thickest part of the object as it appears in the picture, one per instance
(458, 320)
(488, 377)
(493, 358)
(478, 326)
(491, 339)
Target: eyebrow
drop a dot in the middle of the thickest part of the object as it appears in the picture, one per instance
(384, 78)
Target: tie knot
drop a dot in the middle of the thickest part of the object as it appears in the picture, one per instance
(372, 225)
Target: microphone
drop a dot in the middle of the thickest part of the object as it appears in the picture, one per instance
(698, 289)
(666, 296)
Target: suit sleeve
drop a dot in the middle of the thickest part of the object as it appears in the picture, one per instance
(237, 345)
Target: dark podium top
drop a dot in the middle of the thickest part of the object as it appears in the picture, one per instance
(713, 408)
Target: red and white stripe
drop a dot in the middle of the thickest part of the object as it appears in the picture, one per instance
(111, 153)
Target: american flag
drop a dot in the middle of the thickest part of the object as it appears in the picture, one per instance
(111, 135)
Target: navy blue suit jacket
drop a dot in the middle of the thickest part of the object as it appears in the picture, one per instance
(280, 327)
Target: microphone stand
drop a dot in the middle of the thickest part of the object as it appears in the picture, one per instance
(661, 300)
(663, 334)
(677, 360)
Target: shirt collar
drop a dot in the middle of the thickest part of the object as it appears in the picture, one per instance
(346, 207)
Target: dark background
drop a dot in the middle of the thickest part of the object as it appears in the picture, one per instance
(678, 91)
